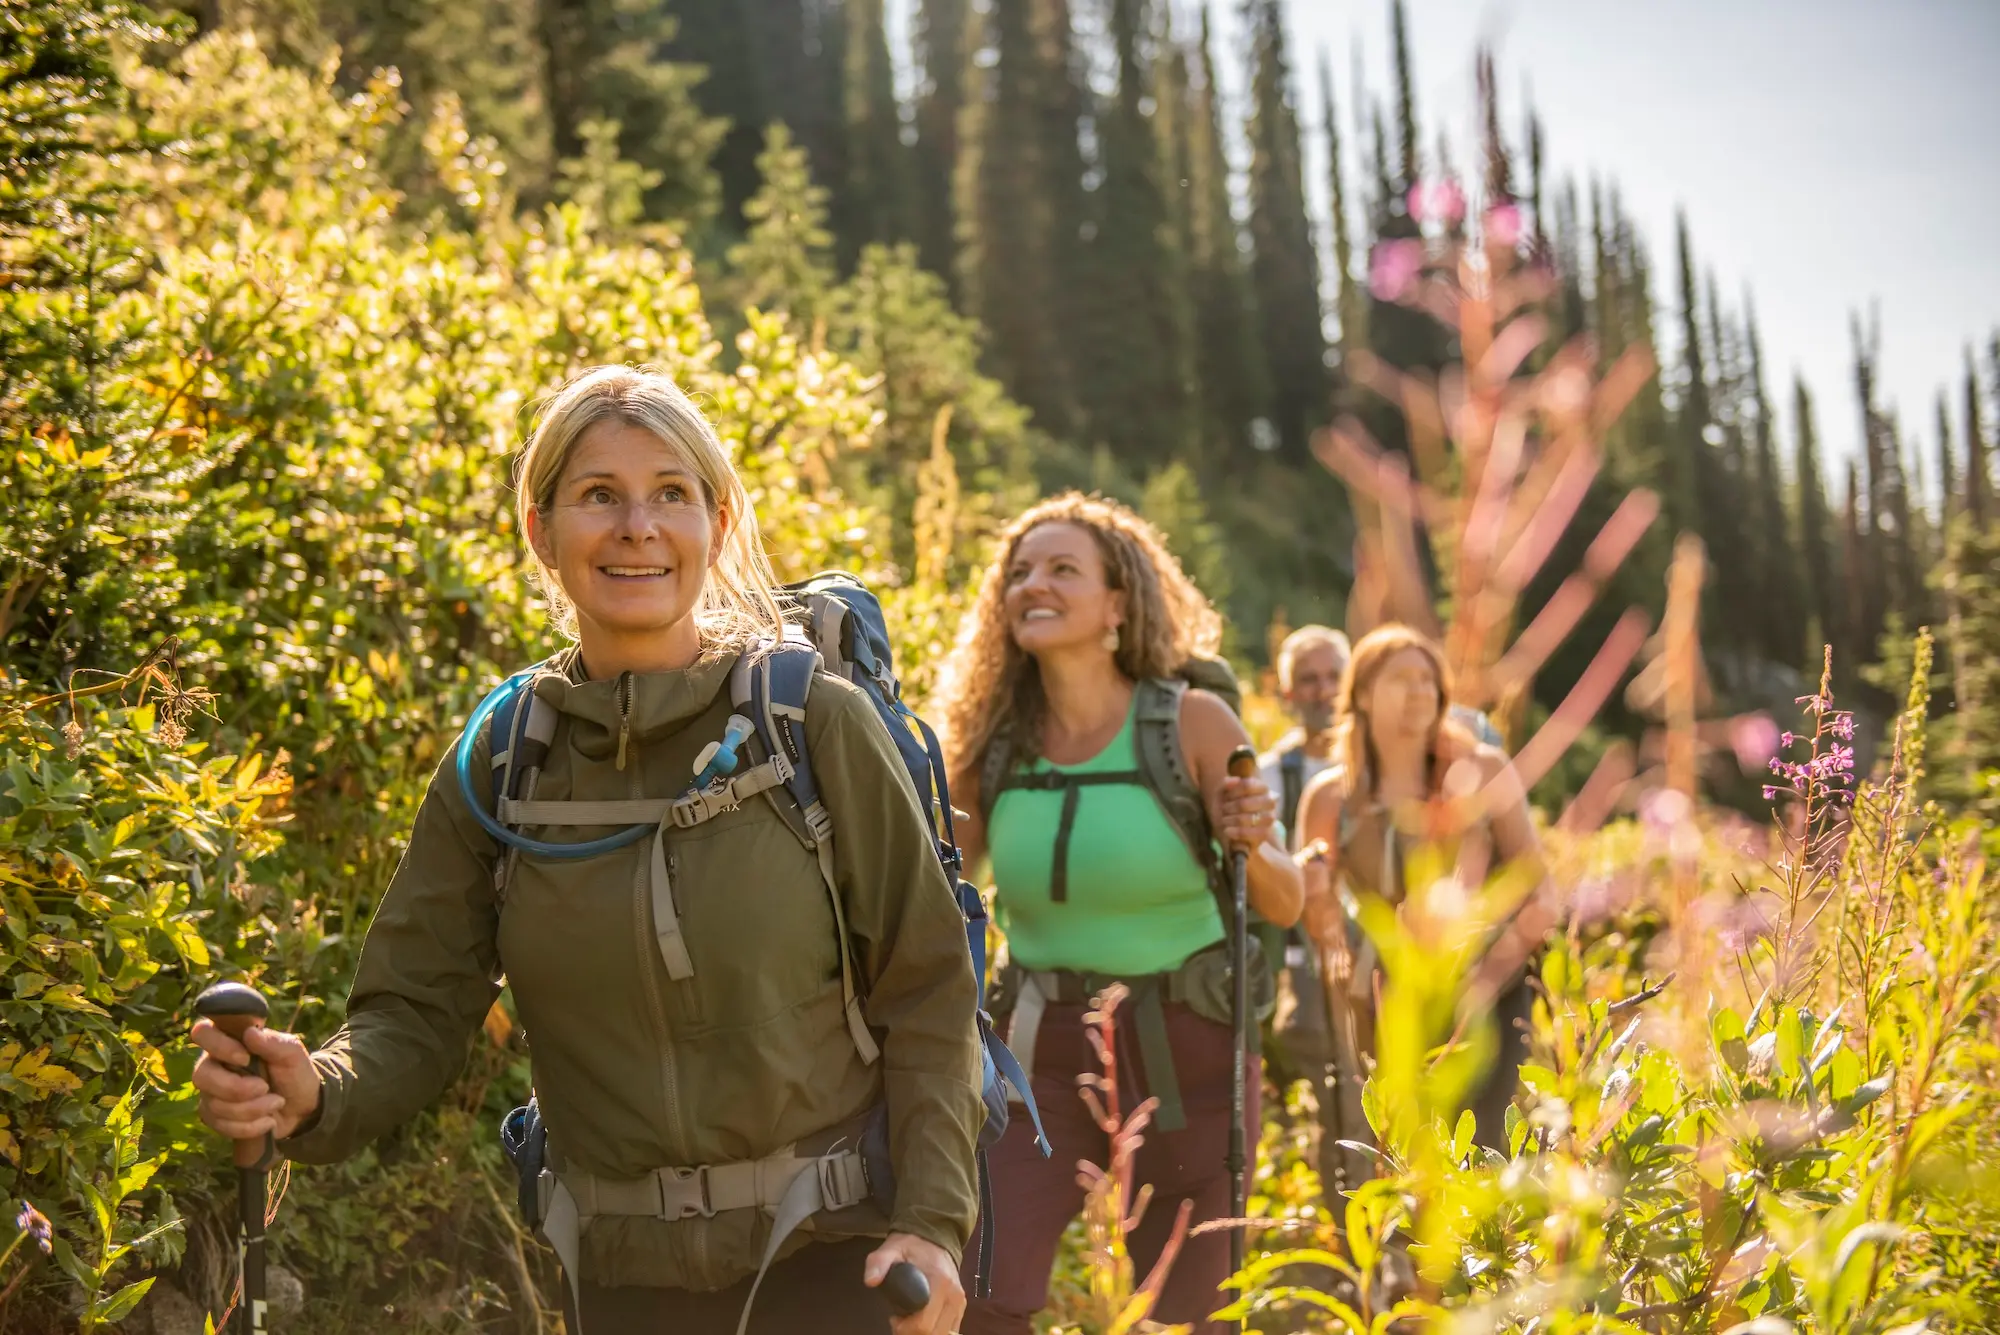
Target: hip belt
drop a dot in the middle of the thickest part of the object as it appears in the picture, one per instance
(788, 1186)
(1202, 983)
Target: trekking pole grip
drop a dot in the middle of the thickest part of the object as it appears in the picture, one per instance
(906, 1289)
(1242, 765)
(236, 1009)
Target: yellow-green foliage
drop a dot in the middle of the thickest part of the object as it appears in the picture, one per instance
(281, 433)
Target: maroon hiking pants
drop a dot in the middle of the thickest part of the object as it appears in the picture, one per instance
(1034, 1198)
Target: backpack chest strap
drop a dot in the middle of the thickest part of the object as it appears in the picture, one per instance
(1071, 786)
(683, 812)
(655, 869)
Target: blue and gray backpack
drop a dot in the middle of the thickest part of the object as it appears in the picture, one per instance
(844, 632)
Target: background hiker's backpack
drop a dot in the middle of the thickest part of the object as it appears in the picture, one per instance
(843, 632)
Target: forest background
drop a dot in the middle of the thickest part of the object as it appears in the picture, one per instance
(282, 280)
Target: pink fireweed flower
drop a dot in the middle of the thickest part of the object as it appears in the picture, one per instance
(1394, 268)
(1663, 809)
(35, 1224)
(1755, 740)
(1438, 201)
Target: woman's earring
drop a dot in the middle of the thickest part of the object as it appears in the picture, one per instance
(1110, 639)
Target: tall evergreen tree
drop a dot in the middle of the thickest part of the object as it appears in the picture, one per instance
(1540, 234)
(1378, 161)
(1783, 625)
(1815, 527)
(1875, 592)
(1947, 467)
(1563, 244)
(1978, 480)
(1135, 385)
(1410, 160)
(939, 31)
(784, 261)
(1020, 203)
(601, 62)
(1858, 630)
(714, 36)
(1347, 302)
(1687, 480)
(1498, 167)
(1285, 264)
(873, 202)
(1235, 380)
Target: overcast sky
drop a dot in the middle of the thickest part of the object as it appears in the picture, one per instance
(1828, 153)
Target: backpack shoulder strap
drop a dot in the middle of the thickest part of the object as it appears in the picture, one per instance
(1292, 780)
(769, 686)
(1156, 742)
(517, 739)
(994, 769)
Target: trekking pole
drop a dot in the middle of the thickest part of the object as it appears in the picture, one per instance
(906, 1289)
(1242, 765)
(236, 1010)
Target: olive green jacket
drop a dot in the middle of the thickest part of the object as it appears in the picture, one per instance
(636, 1071)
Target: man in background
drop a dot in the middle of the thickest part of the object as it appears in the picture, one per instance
(1311, 662)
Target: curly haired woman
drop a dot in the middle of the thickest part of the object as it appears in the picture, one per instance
(1099, 775)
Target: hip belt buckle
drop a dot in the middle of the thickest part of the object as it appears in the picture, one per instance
(684, 1193)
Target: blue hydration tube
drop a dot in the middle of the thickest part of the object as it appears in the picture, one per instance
(539, 847)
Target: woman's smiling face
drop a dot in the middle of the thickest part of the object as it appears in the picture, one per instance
(630, 533)
(1057, 596)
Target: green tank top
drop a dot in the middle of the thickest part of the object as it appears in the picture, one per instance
(1135, 902)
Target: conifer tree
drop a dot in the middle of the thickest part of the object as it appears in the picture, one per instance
(601, 62)
(1816, 551)
(1562, 246)
(1135, 383)
(1784, 615)
(1019, 188)
(711, 38)
(1858, 630)
(1687, 479)
(1498, 168)
(1947, 467)
(1234, 377)
(1409, 163)
(1285, 264)
(1978, 480)
(1378, 162)
(1347, 294)
(784, 260)
(1540, 235)
(940, 28)
(873, 202)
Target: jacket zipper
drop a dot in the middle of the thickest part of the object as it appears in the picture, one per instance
(624, 715)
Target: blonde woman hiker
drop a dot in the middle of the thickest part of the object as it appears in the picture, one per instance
(1097, 775)
(1399, 745)
(735, 993)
